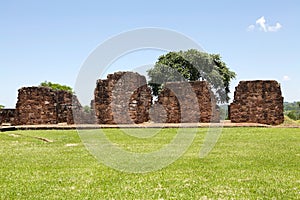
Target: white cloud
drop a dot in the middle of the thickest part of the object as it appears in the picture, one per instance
(251, 28)
(262, 23)
(275, 28)
(286, 78)
(263, 26)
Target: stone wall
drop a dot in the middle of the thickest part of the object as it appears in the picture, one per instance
(64, 107)
(125, 98)
(7, 116)
(36, 105)
(42, 105)
(80, 116)
(122, 98)
(185, 102)
(257, 102)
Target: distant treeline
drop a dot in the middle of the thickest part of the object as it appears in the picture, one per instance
(292, 110)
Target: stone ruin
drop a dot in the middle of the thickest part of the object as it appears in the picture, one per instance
(122, 98)
(7, 116)
(125, 98)
(257, 102)
(80, 116)
(42, 105)
(185, 102)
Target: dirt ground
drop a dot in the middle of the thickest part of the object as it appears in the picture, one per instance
(63, 126)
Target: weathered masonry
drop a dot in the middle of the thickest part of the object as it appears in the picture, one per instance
(7, 116)
(125, 98)
(122, 98)
(42, 105)
(186, 102)
(257, 102)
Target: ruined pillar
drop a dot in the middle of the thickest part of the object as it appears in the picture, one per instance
(257, 102)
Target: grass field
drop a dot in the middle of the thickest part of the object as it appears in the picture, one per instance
(246, 163)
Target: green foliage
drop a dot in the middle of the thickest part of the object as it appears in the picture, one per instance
(292, 110)
(56, 86)
(291, 106)
(225, 73)
(192, 65)
(246, 163)
(292, 115)
(290, 122)
(87, 109)
(1, 106)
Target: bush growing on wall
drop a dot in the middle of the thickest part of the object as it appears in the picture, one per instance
(56, 86)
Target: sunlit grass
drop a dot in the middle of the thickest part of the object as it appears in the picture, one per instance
(246, 163)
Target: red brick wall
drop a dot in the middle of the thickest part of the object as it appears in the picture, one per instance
(257, 102)
(42, 105)
(186, 102)
(122, 98)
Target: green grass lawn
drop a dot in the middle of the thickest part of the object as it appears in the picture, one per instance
(246, 163)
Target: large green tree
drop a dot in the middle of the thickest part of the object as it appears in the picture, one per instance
(1, 106)
(56, 86)
(192, 65)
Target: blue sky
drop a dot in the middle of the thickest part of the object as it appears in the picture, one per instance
(49, 40)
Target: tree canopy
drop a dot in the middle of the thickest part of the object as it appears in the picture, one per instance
(1, 106)
(56, 86)
(192, 65)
